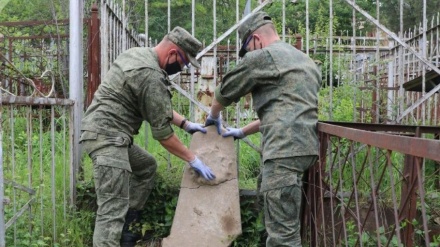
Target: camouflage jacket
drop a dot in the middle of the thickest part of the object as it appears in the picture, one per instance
(284, 83)
(134, 89)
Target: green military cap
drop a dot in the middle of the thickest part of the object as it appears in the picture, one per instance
(185, 41)
(255, 21)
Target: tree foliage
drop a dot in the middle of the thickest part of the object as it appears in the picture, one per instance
(225, 14)
(412, 13)
(25, 10)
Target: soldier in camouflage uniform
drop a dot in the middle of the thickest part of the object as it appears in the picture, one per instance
(284, 83)
(135, 89)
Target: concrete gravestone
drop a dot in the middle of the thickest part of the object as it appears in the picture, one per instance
(208, 213)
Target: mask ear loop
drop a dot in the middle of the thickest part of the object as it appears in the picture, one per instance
(247, 43)
(186, 63)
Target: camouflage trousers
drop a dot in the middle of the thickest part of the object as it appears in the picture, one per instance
(281, 187)
(123, 176)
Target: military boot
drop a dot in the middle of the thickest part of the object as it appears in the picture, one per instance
(131, 232)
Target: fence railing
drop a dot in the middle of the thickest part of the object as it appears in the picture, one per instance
(37, 174)
(375, 185)
(115, 36)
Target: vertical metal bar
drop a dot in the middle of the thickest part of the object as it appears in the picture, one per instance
(237, 38)
(169, 15)
(377, 66)
(354, 64)
(325, 147)
(284, 21)
(169, 29)
(2, 185)
(94, 55)
(40, 117)
(14, 194)
(110, 35)
(76, 83)
(113, 33)
(390, 85)
(192, 69)
(104, 38)
(431, 59)
(214, 37)
(307, 28)
(330, 155)
(423, 49)
(374, 188)
(119, 31)
(408, 202)
(339, 62)
(330, 75)
(124, 21)
(356, 193)
(147, 44)
(53, 173)
(29, 157)
(146, 24)
(237, 14)
(394, 197)
(437, 60)
(65, 171)
(340, 197)
(419, 166)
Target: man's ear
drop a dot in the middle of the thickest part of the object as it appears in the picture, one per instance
(172, 52)
(258, 38)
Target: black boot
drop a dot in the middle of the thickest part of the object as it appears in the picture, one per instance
(131, 232)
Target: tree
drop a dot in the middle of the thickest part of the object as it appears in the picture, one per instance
(412, 13)
(22, 10)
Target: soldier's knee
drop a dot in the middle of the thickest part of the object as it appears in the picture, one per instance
(149, 170)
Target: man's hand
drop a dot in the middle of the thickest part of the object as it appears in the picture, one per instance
(191, 127)
(236, 133)
(202, 169)
(210, 120)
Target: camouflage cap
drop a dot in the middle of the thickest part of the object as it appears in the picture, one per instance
(255, 21)
(185, 41)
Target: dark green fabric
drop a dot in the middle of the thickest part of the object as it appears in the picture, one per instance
(278, 173)
(124, 178)
(134, 89)
(284, 83)
(281, 215)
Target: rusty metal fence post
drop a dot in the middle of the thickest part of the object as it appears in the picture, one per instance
(94, 54)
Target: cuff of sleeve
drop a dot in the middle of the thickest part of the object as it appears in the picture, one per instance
(219, 97)
(162, 133)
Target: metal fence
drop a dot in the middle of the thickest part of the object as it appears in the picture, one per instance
(36, 169)
(115, 36)
(37, 177)
(37, 129)
(375, 185)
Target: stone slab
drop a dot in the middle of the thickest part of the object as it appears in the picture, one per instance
(208, 213)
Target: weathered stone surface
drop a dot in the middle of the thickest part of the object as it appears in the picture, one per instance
(208, 213)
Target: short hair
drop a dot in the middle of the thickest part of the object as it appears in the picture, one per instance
(268, 29)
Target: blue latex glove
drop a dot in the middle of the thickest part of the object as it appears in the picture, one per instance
(202, 169)
(191, 127)
(236, 133)
(210, 120)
